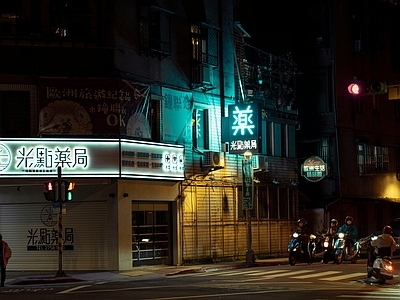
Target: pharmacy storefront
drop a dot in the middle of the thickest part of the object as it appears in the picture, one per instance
(123, 211)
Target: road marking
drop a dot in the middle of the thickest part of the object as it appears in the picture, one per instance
(317, 274)
(346, 276)
(73, 289)
(366, 296)
(244, 273)
(268, 272)
(288, 274)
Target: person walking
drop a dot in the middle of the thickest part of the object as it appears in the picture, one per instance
(5, 254)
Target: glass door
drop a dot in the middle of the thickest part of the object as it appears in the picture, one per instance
(150, 233)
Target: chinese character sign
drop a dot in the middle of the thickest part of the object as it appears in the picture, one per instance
(94, 106)
(314, 169)
(244, 125)
(42, 157)
(46, 239)
(177, 108)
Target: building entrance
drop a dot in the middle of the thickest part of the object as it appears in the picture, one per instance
(150, 233)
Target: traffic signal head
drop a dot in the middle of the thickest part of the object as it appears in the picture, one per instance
(361, 88)
(356, 88)
(50, 190)
(378, 87)
(68, 190)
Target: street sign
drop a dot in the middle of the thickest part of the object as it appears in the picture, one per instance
(56, 207)
(247, 189)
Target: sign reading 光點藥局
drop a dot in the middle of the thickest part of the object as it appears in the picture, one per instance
(25, 158)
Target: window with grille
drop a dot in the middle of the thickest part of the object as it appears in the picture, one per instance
(398, 162)
(382, 158)
(155, 31)
(372, 159)
(70, 18)
(271, 202)
(204, 41)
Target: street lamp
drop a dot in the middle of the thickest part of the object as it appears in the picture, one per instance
(247, 198)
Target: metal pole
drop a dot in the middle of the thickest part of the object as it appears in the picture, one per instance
(249, 252)
(60, 272)
(248, 195)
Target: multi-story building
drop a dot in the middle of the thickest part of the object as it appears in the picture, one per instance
(127, 99)
(336, 44)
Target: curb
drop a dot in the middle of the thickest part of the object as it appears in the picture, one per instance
(228, 267)
(44, 280)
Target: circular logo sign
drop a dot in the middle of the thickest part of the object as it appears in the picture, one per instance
(314, 169)
(5, 157)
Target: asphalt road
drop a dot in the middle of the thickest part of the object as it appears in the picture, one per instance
(315, 281)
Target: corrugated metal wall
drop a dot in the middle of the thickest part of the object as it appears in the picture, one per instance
(211, 229)
(20, 222)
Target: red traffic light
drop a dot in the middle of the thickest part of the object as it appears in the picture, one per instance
(355, 89)
(49, 186)
(51, 191)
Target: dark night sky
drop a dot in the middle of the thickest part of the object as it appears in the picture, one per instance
(275, 27)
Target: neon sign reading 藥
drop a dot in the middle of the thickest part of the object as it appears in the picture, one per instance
(244, 123)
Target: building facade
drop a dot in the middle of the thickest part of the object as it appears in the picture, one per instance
(336, 44)
(130, 100)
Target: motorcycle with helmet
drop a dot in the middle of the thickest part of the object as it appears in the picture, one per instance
(346, 247)
(380, 249)
(300, 248)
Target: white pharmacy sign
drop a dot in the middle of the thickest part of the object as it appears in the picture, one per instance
(41, 157)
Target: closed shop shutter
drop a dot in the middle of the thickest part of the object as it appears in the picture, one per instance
(31, 230)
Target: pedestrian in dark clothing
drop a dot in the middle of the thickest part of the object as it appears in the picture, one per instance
(5, 254)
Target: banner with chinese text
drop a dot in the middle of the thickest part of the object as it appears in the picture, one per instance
(177, 108)
(93, 106)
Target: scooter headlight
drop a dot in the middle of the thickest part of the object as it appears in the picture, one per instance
(326, 244)
(295, 235)
(388, 267)
(341, 235)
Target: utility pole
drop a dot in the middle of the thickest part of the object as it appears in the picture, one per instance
(247, 190)
(60, 272)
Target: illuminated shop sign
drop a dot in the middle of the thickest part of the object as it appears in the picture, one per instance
(244, 124)
(314, 169)
(145, 160)
(28, 158)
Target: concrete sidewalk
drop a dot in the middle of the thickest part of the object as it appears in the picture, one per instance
(21, 278)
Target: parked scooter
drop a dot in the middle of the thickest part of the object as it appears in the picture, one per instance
(382, 268)
(342, 250)
(295, 249)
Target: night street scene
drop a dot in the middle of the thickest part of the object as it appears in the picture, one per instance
(158, 149)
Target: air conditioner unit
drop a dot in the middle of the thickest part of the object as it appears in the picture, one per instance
(214, 160)
(260, 163)
(202, 75)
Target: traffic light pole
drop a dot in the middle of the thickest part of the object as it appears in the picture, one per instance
(60, 272)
